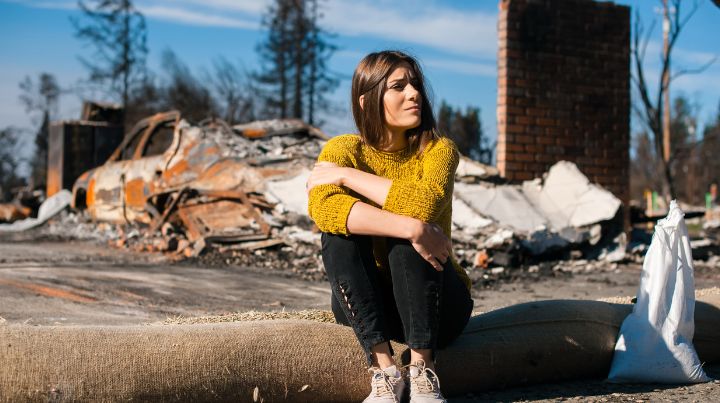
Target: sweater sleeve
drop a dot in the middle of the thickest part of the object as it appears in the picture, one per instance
(330, 205)
(426, 198)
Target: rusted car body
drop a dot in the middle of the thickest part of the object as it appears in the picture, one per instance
(166, 167)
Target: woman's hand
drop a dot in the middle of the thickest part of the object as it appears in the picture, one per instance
(432, 244)
(325, 173)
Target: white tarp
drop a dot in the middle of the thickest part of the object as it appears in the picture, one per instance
(50, 207)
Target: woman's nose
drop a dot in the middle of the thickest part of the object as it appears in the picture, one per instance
(411, 92)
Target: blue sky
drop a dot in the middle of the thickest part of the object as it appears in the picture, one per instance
(456, 42)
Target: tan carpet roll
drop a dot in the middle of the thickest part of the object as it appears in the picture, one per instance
(526, 343)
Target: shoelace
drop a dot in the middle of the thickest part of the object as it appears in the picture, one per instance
(422, 381)
(383, 385)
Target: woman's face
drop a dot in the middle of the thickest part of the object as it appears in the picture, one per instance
(402, 100)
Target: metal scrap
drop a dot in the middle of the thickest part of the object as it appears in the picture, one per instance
(10, 212)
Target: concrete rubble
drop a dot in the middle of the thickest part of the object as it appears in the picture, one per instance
(511, 224)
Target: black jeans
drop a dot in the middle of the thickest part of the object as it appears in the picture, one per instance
(416, 305)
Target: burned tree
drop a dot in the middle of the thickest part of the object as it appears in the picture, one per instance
(320, 81)
(654, 113)
(9, 163)
(295, 76)
(117, 32)
(465, 129)
(40, 100)
(184, 92)
(233, 91)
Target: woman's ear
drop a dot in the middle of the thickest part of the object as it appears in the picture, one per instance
(362, 101)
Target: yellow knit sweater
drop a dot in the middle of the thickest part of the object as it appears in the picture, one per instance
(422, 187)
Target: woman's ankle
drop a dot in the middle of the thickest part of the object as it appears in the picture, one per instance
(424, 355)
(381, 356)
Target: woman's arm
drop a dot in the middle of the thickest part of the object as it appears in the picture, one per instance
(427, 239)
(371, 186)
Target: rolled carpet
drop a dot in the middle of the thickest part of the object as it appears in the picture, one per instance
(300, 360)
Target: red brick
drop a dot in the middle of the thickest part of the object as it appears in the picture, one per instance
(535, 167)
(566, 141)
(557, 150)
(514, 110)
(524, 157)
(534, 148)
(513, 166)
(515, 129)
(523, 120)
(535, 112)
(553, 131)
(545, 158)
(545, 122)
(512, 148)
(525, 139)
(521, 176)
(545, 140)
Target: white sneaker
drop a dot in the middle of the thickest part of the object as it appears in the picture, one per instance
(386, 388)
(424, 384)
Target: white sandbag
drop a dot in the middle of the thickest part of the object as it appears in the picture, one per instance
(655, 340)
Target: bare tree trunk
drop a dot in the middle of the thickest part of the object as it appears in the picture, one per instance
(313, 62)
(126, 55)
(666, 85)
(298, 36)
(282, 68)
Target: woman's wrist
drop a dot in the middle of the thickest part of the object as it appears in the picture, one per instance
(344, 173)
(413, 228)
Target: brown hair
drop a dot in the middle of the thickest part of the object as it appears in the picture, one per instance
(370, 79)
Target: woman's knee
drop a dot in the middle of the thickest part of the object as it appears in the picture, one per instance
(344, 255)
(338, 248)
(342, 244)
(403, 256)
(402, 250)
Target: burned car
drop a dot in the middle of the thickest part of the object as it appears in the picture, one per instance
(209, 178)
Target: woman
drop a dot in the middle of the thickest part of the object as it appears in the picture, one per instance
(383, 202)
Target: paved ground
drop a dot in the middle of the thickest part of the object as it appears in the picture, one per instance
(82, 283)
(49, 283)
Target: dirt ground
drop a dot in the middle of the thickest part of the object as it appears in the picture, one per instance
(74, 282)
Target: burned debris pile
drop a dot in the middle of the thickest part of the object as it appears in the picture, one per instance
(235, 195)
